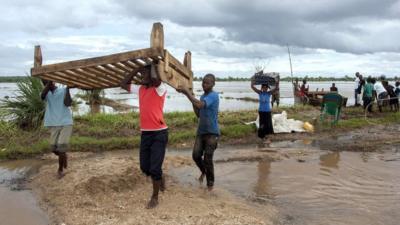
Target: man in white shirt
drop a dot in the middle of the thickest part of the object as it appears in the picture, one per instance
(380, 93)
(356, 89)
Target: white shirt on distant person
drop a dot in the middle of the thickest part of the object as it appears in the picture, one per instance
(378, 87)
(356, 83)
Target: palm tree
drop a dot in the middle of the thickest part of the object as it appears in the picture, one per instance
(27, 109)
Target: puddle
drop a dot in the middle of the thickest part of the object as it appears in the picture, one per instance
(349, 188)
(18, 206)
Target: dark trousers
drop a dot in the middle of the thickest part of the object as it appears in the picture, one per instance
(265, 119)
(152, 152)
(366, 102)
(203, 152)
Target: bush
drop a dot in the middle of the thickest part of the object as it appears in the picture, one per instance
(27, 109)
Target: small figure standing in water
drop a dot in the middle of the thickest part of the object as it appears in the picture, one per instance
(333, 88)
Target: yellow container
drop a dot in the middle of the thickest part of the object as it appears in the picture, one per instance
(308, 127)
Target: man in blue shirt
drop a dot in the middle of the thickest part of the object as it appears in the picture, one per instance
(58, 118)
(206, 109)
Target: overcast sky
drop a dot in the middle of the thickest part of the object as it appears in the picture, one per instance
(326, 37)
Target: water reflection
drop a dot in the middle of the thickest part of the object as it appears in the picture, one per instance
(365, 156)
(263, 186)
(330, 160)
(18, 207)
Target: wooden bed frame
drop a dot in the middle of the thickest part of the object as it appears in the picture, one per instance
(108, 71)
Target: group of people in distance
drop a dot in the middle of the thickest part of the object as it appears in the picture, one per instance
(154, 131)
(367, 90)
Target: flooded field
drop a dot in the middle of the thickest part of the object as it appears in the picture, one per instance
(233, 96)
(314, 186)
(18, 206)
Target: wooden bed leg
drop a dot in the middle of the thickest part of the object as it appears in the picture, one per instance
(37, 58)
(157, 36)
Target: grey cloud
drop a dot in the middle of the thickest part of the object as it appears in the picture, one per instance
(344, 26)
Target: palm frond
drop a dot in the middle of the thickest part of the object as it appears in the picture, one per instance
(26, 110)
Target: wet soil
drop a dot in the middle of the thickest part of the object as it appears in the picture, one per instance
(110, 189)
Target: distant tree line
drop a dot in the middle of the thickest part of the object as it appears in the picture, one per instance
(15, 79)
(12, 79)
(315, 79)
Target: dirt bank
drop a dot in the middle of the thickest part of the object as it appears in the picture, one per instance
(371, 138)
(109, 189)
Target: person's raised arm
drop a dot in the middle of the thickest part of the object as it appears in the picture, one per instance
(129, 77)
(45, 90)
(67, 98)
(197, 104)
(254, 87)
(154, 76)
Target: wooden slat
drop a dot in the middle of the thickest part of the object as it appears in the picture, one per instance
(127, 65)
(140, 62)
(100, 78)
(67, 82)
(101, 75)
(114, 69)
(80, 76)
(55, 79)
(100, 72)
(80, 81)
(122, 67)
(132, 64)
(142, 53)
(110, 72)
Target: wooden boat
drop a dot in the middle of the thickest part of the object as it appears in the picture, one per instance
(315, 98)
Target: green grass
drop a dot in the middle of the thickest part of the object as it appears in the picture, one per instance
(102, 132)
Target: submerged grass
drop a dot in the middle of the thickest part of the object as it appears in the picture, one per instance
(101, 132)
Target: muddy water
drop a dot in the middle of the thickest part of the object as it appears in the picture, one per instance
(318, 187)
(17, 204)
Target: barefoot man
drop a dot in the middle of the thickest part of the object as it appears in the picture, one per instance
(154, 130)
(58, 118)
(206, 109)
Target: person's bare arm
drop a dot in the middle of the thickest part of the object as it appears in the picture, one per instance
(129, 77)
(67, 98)
(197, 104)
(45, 90)
(254, 87)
